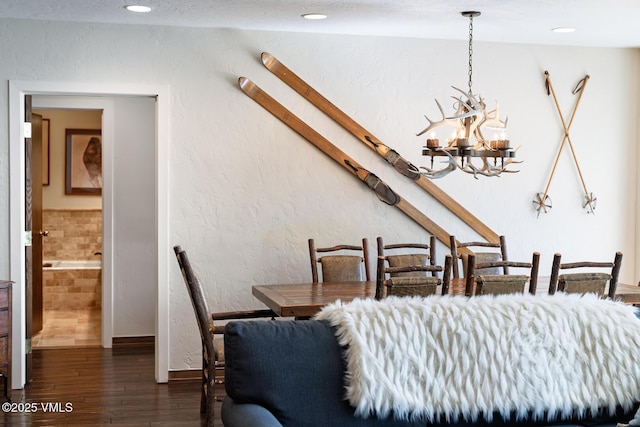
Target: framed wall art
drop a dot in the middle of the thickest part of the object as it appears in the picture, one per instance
(83, 166)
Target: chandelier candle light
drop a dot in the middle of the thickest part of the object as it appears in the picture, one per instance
(471, 118)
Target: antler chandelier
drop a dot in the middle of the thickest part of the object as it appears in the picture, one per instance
(471, 119)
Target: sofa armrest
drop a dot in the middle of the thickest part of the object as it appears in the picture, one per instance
(246, 415)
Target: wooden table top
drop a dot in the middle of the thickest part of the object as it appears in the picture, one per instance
(306, 299)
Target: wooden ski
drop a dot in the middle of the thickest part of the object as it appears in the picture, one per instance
(379, 187)
(391, 156)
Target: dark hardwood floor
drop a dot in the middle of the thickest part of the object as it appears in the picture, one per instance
(101, 387)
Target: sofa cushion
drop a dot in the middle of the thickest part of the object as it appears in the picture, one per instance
(246, 415)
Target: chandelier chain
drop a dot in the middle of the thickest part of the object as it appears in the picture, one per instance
(470, 52)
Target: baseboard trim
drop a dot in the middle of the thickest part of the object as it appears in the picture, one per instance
(133, 341)
(185, 375)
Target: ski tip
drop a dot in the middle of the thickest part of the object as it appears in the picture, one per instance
(243, 81)
(267, 58)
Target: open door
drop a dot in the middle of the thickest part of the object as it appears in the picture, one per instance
(33, 221)
(28, 264)
(36, 223)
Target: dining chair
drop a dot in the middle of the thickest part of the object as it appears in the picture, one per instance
(411, 254)
(340, 267)
(212, 348)
(497, 284)
(482, 255)
(391, 281)
(585, 281)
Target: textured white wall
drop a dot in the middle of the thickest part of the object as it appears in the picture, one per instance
(246, 192)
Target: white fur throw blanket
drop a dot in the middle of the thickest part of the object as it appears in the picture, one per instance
(464, 358)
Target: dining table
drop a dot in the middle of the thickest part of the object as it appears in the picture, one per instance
(303, 300)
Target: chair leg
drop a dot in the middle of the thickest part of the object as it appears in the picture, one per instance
(211, 393)
(203, 386)
(203, 395)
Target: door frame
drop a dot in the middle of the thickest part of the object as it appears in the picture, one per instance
(17, 90)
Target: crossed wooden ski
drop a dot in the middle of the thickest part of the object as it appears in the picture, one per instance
(391, 156)
(382, 190)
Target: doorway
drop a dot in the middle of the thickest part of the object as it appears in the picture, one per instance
(70, 285)
(97, 96)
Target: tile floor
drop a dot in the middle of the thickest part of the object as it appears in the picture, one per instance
(69, 328)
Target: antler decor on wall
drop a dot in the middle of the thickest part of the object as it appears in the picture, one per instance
(542, 201)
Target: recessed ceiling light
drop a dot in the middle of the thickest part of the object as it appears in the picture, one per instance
(314, 16)
(563, 30)
(137, 8)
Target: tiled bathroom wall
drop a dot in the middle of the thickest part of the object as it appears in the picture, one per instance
(71, 289)
(73, 234)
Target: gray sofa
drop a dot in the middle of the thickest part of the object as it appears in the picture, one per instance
(290, 373)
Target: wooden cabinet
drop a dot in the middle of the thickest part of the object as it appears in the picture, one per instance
(5, 336)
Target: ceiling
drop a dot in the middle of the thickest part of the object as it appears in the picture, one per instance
(610, 23)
